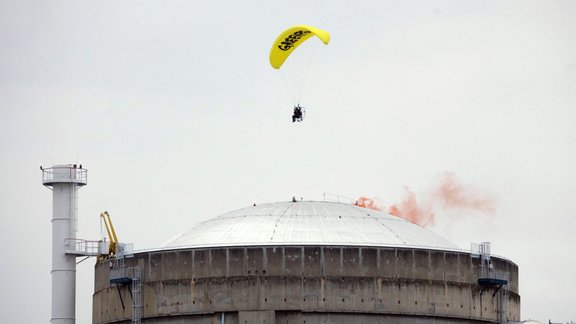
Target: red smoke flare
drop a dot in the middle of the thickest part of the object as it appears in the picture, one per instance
(449, 194)
(413, 211)
(453, 194)
(368, 203)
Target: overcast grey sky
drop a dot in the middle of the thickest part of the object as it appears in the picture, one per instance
(175, 111)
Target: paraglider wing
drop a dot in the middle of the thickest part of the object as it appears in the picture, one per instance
(291, 38)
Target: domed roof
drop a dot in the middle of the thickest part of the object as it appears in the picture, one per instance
(308, 223)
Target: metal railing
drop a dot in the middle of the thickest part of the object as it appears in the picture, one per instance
(121, 273)
(480, 250)
(487, 273)
(338, 198)
(124, 250)
(67, 173)
(84, 247)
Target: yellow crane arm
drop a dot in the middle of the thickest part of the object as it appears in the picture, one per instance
(111, 232)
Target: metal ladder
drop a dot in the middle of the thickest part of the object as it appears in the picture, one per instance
(136, 288)
(490, 278)
(131, 277)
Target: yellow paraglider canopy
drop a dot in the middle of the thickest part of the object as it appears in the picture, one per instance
(291, 38)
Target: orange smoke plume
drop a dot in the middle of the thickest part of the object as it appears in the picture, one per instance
(368, 203)
(453, 194)
(412, 210)
(448, 194)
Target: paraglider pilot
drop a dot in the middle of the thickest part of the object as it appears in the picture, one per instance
(297, 116)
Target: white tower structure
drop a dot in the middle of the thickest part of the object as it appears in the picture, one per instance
(64, 181)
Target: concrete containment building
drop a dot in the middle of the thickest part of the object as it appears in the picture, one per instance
(307, 262)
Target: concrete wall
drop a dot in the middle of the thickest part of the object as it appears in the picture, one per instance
(307, 285)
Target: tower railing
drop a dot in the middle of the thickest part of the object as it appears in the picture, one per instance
(85, 247)
(64, 173)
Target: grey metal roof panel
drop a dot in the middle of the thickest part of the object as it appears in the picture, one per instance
(308, 223)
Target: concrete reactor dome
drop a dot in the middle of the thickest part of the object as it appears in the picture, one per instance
(307, 262)
(308, 223)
